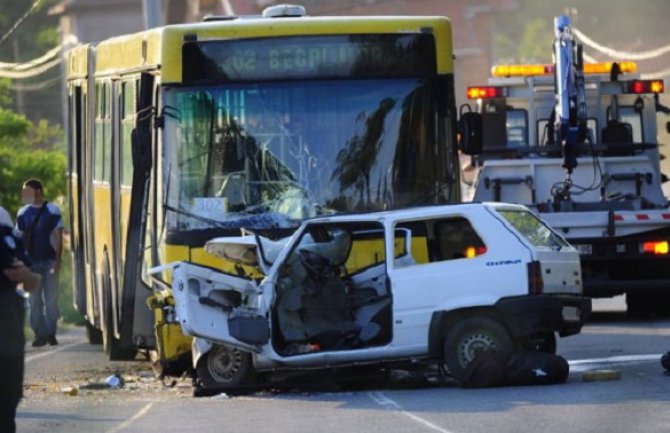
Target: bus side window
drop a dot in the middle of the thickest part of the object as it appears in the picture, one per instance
(128, 103)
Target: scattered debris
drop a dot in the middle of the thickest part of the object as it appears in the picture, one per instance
(600, 375)
(114, 381)
(70, 390)
(95, 386)
(146, 374)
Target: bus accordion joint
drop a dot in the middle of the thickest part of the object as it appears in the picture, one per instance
(528, 70)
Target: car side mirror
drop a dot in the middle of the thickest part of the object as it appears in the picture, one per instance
(470, 130)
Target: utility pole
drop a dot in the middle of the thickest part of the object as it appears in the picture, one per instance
(20, 105)
(153, 13)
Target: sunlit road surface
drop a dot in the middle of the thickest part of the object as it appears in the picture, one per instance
(638, 402)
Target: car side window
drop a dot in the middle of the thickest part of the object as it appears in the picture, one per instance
(457, 239)
(436, 240)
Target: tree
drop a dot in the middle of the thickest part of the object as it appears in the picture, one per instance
(526, 32)
(38, 97)
(26, 151)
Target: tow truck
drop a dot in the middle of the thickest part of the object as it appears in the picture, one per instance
(577, 143)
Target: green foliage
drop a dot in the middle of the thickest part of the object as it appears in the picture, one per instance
(13, 128)
(28, 150)
(16, 166)
(5, 95)
(47, 137)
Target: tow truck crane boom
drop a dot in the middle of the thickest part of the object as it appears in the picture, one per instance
(570, 125)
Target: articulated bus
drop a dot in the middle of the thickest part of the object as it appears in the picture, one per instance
(188, 132)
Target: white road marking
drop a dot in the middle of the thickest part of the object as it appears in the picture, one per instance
(384, 401)
(581, 365)
(134, 418)
(52, 351)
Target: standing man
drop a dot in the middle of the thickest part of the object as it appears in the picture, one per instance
(13, 270)
(41, 226)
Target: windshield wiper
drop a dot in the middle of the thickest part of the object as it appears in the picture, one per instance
(214, 222)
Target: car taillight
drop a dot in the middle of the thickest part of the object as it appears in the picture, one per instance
(535, 282)
(655, 247)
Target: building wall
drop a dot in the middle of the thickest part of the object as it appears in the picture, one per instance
(472, 27)
(96, 20)
(89, 25)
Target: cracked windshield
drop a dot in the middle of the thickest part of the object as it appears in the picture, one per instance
(272, 154)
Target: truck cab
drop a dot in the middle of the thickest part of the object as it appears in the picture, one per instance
(434, 284)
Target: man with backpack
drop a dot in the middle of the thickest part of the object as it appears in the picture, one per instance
(41, 226)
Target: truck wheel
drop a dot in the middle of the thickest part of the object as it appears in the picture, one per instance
(93, 334)
(470, 336)
(225, 367)
(639, 306)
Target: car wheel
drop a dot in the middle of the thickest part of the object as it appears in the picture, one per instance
(469, 337)
(225, 367)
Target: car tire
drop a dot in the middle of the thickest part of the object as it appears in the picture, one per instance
(470, 336)
(225, 367)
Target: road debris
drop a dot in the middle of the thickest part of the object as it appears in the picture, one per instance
(601, 375)
(70, 390)
(114, 381)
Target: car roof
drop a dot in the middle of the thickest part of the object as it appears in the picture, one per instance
(418, 212)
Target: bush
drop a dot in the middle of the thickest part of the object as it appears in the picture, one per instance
(17, 166)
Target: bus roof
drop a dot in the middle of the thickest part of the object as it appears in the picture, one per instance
(161, 47)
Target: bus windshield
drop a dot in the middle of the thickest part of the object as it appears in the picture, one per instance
(268, 155)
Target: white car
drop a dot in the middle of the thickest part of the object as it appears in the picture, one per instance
(434, 284)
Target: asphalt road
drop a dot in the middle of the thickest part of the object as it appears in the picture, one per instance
(638, 402)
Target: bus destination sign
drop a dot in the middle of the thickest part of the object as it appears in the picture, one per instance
(310, 57)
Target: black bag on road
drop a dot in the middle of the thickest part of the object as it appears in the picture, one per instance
(665, 361)
(495, 368)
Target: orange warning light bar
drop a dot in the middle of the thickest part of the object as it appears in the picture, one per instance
(539, 69)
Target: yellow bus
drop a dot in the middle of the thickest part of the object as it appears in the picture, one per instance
(184, 133)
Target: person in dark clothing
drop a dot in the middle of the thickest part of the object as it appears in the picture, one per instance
(13, 269)
(41, 227)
